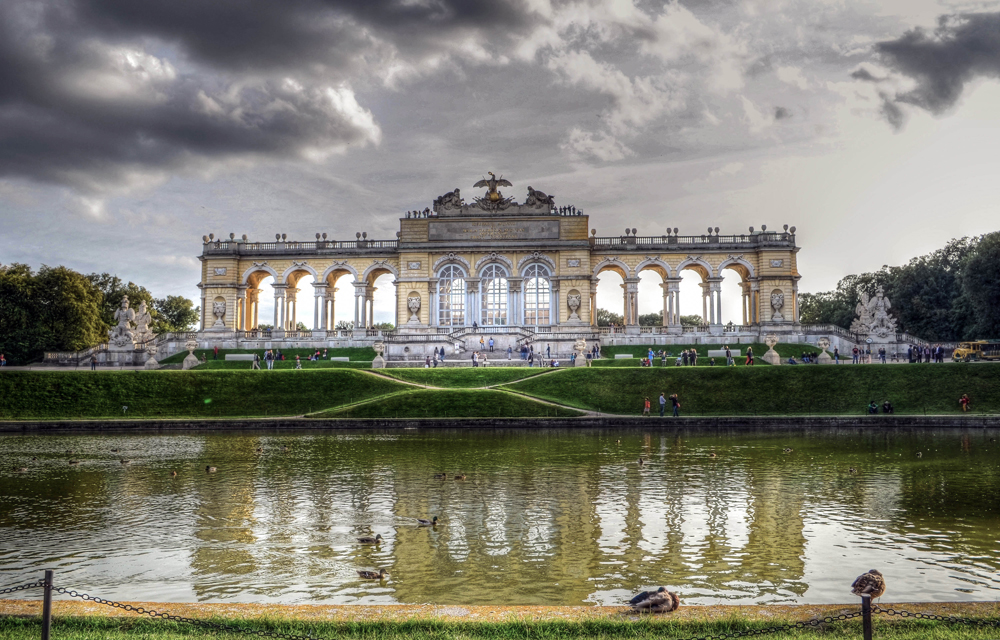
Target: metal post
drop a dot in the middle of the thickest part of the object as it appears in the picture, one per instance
(47, 605)
(866, 615)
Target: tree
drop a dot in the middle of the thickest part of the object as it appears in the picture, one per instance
(114, 290)
(174, 314)
(651, 319)
(300, 326)
(605, 318)
(980, 284)
(56, 309)
(384, 326)
(344, 325)
(691, 321)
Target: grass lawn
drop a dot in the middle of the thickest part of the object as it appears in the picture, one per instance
(365, 354)
(463, 377)
(449, 403)
(759, 349)
(237, 365)
(805, 390)
(176, 394)
(648, 628)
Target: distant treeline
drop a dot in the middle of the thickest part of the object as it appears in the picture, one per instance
(948, 295)
(58, 309)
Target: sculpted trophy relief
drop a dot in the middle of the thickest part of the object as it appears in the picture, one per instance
(121, 337)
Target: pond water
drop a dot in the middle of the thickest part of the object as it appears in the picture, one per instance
(543, 517)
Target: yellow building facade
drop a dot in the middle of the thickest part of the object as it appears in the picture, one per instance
(516, 271)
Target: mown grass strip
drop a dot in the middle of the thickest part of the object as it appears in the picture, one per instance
(915, 389)
(463, 377)
(450, 403)
(183, 394)
(645, 628)
(360, 354)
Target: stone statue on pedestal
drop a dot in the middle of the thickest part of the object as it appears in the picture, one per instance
(379, 361)
(121, 337)
(142, 320)
(771, 357)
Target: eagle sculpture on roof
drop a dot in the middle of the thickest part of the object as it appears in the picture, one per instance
(493, 195)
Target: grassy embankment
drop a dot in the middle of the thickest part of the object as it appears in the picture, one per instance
(183, 394)
(463, 377)
(451, 403)
(639, 351)
(343, 393)
(658, 628)
(805, 390)
(359, 354)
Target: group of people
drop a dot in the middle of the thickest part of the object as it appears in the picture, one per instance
(886, 407)
(925, 354)
(674, 402)
(863, 354)
(270, 357)
(689, 357)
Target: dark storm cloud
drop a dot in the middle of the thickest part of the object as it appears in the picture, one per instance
(961, 48)
(891, 112)
(93, 92)
(781, 113)
(865, 75)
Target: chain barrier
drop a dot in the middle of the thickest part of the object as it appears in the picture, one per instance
(30, 585)
(814, 623)
(975, 622)
(163, 615)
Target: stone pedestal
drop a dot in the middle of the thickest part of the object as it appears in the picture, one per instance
(190, 361)
(151, 363)
(772, 357)
(824, 357)
(378, 363)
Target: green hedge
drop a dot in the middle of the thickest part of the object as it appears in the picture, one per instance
(450, 403)
(361, 354)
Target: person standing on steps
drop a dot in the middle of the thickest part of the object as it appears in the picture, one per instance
(491, 345)
(548, 351)
(663, 403)
(676, 403)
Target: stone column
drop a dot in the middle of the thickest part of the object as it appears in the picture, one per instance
(359, 305)
(203, 311)
(666, 303)
(515, 302)
(473, 305)
(279, 306)
(705, 316)
(370, 309)
(555, 303)
(432, 303)
(319, 306)
(716, 292)
(755, 303)
(593, 302)
(292, 299)
(241, 311)
(632, 301)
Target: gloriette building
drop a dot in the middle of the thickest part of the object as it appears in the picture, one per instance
(519, 271)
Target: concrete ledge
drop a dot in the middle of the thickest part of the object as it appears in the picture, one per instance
(856, 424)
(239, 356)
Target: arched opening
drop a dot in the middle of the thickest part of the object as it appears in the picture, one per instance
(735, 294)
(495, 296)
(693, 288)
(537, 285)
(337, 313)
(451, 296)
(652, 294)
(298, 301)
(383, 302)
(257, 307)
(611, 299)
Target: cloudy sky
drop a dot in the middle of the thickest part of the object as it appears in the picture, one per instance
(130, 129)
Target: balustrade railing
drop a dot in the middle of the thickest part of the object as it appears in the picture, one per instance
(257, 248)
(782, 238)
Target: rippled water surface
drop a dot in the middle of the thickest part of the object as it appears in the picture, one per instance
(543, 517)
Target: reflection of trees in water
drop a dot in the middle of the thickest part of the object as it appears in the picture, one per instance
(544, 516)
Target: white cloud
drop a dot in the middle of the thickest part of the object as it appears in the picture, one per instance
(583, 145)
(755, 119)
(792, 76)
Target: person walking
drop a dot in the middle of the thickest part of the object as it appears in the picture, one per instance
(475, 358)
(482, 344)
(836, 355)
(256, 362)
(93, 363)
(663, 403)
(729, 357)
(298, 362)
(269, 359)
(676, 403)
(531, 358)
(694, 357)
(548, 351)
(684, 357)
(854, 355)
(491, 345)
(427, 362)
(663, 362)
(215, 353)
(645, 407)
(3, 361)
(509, 352)
(965, 402)
(434, 360)
(749, 361)
(881, 354)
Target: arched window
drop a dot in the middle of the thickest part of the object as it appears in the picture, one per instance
(494, 288)
(537, 292)
(451, 296)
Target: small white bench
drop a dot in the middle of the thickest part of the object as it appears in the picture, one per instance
(721, 353)
(239, 356)
(619, 356)
(340, 359)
